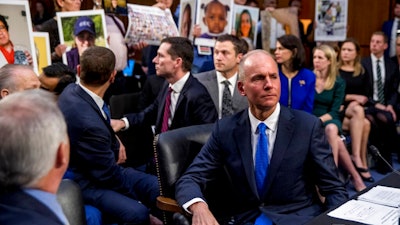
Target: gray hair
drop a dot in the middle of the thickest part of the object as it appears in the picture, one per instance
(8, 76)
(31, 129)
(241, 71)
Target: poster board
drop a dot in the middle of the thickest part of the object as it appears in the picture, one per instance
(42, 45)
(18, 18)
(331, 20)
(66, 22)
(149, 24)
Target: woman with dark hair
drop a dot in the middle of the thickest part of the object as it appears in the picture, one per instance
(186, 23)
(244, 26)
(297, 82)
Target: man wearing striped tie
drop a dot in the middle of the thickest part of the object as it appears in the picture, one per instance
(384, 81)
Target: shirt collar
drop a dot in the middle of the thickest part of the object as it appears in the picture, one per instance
(49, 200)
(178, 86)
(97, 99)
(271, 121)
(221, 78)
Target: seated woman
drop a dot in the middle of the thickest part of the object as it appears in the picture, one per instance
(351, 70)
(329, 95)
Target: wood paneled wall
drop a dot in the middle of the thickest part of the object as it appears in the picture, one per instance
(364, 16)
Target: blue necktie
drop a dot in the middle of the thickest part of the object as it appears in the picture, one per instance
(261, 166)
(261, 169)
(106, 110)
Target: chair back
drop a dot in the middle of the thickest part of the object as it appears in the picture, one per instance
(138, 141)
(174, 151)
(69, 196)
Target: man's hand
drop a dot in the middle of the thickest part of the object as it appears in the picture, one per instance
(117, 125)
(122, 152)
(201, 214)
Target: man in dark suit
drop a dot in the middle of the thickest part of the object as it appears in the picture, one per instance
(298, 158)
(381, 111)
(34, 156)
(228, 51)
(390, 28)
(189, 101)
(122, 194)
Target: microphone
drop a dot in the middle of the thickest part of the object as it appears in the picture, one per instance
(375, 152)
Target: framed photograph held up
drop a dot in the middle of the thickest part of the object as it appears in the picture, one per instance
(42, 45)
(17, 39)
(149, 24)
(79, 30)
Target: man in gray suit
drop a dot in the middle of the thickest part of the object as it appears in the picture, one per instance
(228, 51)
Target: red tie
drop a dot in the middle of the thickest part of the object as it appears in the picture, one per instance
(167, 112)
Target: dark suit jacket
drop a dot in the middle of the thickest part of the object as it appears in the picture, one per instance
(387, 29)
(94, 146)
(391, 80)
(19, 208)
(209, 80)
(194, 107)
(301, 159)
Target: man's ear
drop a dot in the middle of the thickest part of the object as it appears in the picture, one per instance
(241, 88)
(239, 57)
(4, 92)
(78, 70)
(62, 158)
(60, 3)
(112, 77)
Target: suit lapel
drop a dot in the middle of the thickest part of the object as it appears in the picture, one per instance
(213, 86)
(284, 135)
(161, 104)
(85, 96)
(242, 136)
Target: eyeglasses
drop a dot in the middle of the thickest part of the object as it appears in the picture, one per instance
(2, 27)
(73, 0)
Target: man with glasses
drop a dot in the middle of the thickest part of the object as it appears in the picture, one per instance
(8, 54)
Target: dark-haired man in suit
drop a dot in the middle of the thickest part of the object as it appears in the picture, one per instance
(123, 194)
(228, 51)
(381, 111)
(273, 155)
(188, 102)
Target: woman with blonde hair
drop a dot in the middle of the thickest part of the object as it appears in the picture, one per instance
(357, 90)
(329, 96)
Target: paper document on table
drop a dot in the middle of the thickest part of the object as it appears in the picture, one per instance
(367, 213)
(382, 195)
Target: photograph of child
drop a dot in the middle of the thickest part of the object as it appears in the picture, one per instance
(186, 18)
(16, 38)
(245, 22)
(214, 18)
(80, 30)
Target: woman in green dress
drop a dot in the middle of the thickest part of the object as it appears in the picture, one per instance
(329, 96)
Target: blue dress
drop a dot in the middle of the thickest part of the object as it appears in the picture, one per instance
(298, 92)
